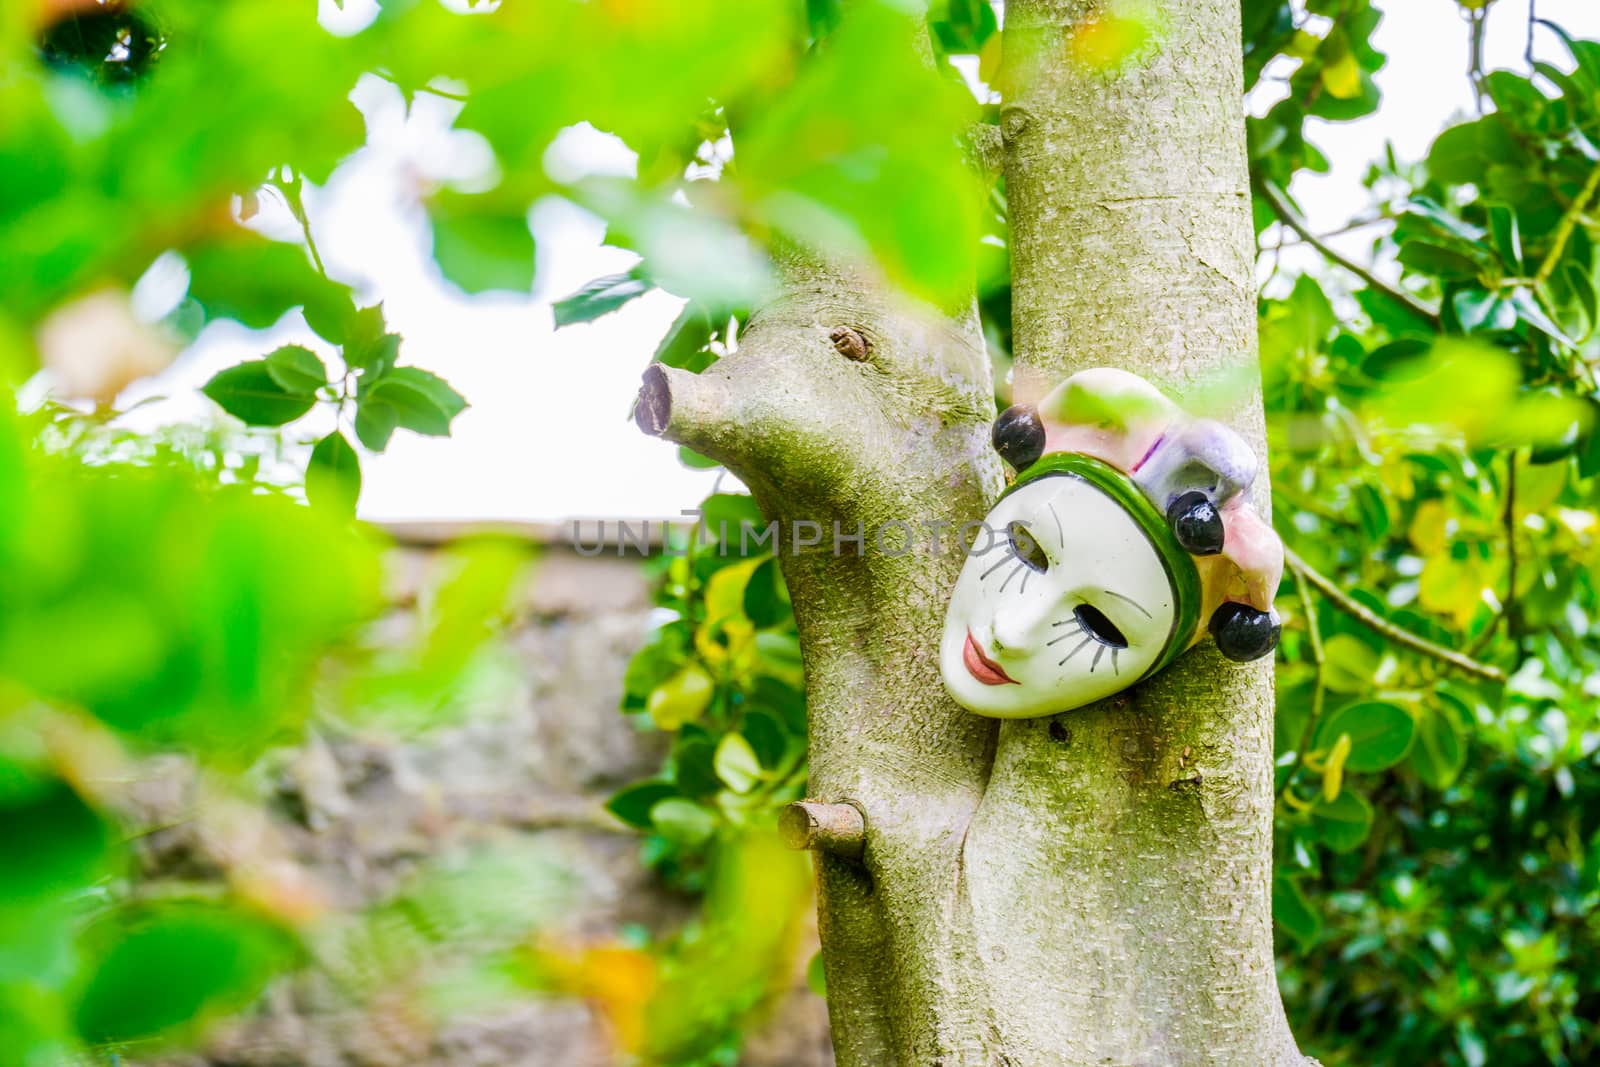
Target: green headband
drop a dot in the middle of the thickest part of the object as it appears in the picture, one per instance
(1179, 565)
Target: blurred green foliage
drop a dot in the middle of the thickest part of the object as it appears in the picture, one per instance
(1434, 453)
(169, 591)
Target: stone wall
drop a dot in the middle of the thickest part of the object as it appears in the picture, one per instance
(360, 811)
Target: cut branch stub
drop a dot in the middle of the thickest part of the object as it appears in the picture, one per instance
(850, 343)
(654, 407)
(838, 829)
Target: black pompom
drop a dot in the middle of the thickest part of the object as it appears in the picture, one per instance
(1243, 633)
(1018, 436)
(1196, 524)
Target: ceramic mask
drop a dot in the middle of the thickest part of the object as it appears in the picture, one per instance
(1126, 535)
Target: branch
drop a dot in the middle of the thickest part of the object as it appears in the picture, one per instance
(838, 829)
(1350, 227)
(687, 409)
(1509, 520)
(1533, 21)
(1291, 218)
(293, 195)
(1399, 635)
(1319, 692)
(1564, 228)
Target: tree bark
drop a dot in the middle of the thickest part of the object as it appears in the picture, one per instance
(1091, 888)
(832, 444)
(1120, 864)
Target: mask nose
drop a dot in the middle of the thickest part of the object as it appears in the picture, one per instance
(1016, 626)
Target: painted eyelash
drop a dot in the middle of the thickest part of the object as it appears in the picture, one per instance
(1069, 633)
(1078, 648)
(1130, 600)
(996, 567)
(1116, 667)
(1012, 555)
(1020, 567)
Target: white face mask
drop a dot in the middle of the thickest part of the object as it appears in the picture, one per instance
(1070, 603)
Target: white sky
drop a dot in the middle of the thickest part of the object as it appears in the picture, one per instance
(547, 435)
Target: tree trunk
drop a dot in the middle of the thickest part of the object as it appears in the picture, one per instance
(1091, 888)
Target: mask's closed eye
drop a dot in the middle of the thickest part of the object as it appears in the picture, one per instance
(1097, 626)
(1026, 547)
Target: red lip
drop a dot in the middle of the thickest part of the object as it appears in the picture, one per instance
(982, 667)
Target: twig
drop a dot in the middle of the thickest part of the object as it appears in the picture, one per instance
(430, 90)
(1478, 19)
(1350, 227)
(1508, 608)
(443, 94)
(1568, 223)
(1509, 519)
(293, 196)
(1313, 630)
(1533, 21)
(1319, 691)
(1291, 218)
(1398, 634)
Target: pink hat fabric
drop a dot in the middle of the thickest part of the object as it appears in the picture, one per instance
(1123, 420)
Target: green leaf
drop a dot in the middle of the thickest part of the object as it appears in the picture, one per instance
(736, 763)
(1343, 823)
(768, 740)
(816, 979)
(1349, 664)
(1527, 306)
(822, 16)
(483, 252)
(1292, 911)
(694, 767)
(178, 965)
(1589, 447)
(1582, 290)
(1380, 734)
(766, 600)
(422, 402)
(686, 338)
(962, 26)
(376, 421)
(599, 297)
(1431, 258)
(683, 821)
(1507, 239)
(729, 512)
(52, 842)
(333, 477)
(249, 393)
(694, 460)
(682, 698)
(633, 804)
(256, 281)
(331, 320)
(1589, 874)
(368, 346)
(1463, 153)
(1440, 751)
(1477, 309)
(1442, 222)
(297, 370)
